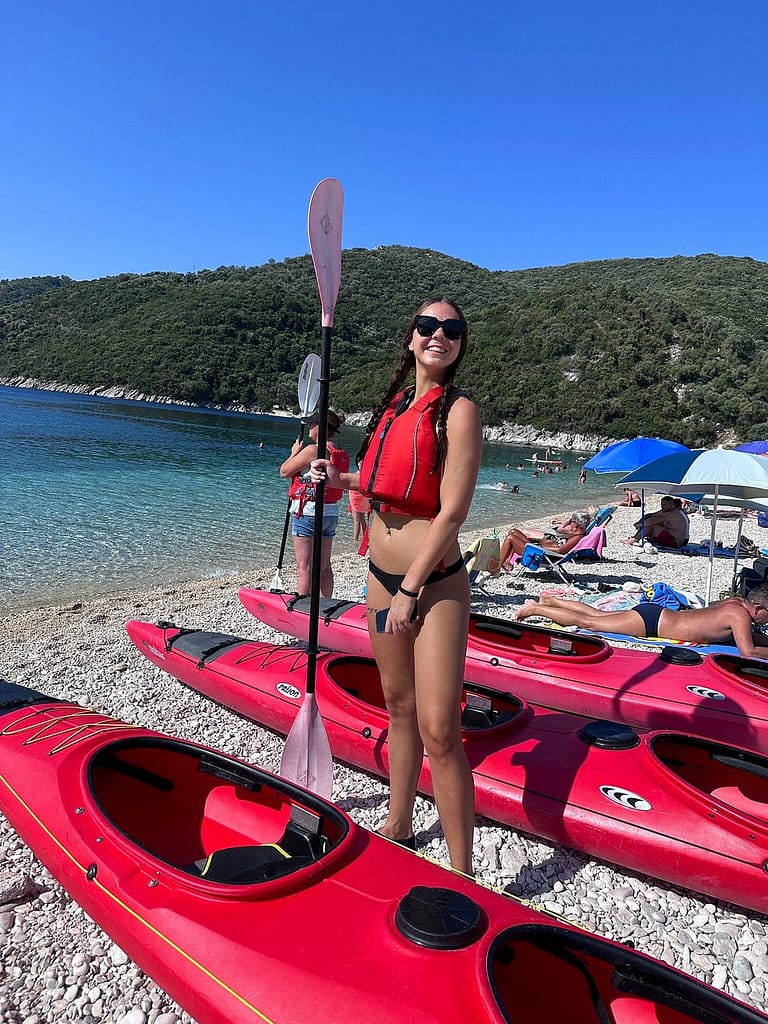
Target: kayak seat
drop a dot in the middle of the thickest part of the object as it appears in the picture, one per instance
(246, 865)
(479, 712)
(300, 844)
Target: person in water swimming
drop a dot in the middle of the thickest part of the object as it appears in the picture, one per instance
(419, 462)
(732, 621)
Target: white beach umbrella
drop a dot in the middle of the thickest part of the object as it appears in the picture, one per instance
(715, 472)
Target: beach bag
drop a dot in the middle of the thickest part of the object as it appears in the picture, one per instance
(665, 596)
(747, 547)
(745, 580)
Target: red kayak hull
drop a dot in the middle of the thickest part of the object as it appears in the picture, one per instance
(718, 696)
(685, 810)
(359, 930)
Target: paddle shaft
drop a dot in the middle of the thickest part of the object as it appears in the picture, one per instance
(324, 228)
(288, 514)
(317, 536)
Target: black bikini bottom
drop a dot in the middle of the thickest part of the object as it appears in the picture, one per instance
(650, 614)
(391, 581)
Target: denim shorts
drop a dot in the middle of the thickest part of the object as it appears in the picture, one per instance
(304, 526)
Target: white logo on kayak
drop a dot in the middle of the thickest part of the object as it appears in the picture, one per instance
(625, 798)
(288, 690)
(160, 655)
(704, 691)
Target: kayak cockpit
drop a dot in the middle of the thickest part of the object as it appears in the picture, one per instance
(546, 973)
(209, 815)
(736, 777)
(482, 707)
(515, 639)
(748, 671)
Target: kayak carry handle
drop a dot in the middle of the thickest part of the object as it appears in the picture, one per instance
(502, 628)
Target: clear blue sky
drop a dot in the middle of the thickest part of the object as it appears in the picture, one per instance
(161, 135)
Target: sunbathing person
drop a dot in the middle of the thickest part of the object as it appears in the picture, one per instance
(631, 498)
(668, 527)
(731, 621)
(570, 534)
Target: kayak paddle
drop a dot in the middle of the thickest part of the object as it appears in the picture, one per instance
(307, 754)
(309, 393)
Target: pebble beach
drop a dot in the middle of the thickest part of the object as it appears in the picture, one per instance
(57, 965)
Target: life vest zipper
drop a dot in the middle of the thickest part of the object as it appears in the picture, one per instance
(415, 460)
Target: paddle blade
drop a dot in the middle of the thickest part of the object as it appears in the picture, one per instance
(324, 228)
(309, 384)
(277, 586)
(306, 756)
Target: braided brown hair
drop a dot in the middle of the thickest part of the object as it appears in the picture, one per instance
(407, 363)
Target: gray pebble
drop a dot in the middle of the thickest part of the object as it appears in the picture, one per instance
(46, 938)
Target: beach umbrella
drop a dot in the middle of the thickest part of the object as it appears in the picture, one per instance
(718, 473)
(624, 456)
(754, 447)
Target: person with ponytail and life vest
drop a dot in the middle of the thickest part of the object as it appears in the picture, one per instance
(302, 496)
(418, 464)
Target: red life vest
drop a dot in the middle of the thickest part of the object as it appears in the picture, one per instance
(398, 468)
(302, 490)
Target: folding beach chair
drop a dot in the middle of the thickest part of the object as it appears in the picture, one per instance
(534, 557)
(601, 518)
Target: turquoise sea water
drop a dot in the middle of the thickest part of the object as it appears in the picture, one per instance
(99, 495)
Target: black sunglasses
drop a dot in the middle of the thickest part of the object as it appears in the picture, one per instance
(452, 329)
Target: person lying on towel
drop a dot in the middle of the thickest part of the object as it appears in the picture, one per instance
(732, 621)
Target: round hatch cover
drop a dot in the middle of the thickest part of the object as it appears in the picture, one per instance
(680, 656)
(439, 918)
(609, 735)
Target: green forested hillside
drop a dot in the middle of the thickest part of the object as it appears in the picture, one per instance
(676, 347)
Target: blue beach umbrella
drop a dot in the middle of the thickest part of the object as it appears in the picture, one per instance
(755, 447)
(719, 473)
(624, 456)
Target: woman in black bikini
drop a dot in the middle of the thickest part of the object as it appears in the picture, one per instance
(419, 463)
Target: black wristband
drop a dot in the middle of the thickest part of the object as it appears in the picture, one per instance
(408, 593)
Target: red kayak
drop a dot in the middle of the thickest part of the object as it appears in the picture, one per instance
(252, 901)
(718, 696)
(682, 809)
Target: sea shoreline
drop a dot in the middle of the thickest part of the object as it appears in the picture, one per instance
(57, 964)
(505, 433)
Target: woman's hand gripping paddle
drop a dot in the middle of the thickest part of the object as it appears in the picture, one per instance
(307, 754)
(309, 393)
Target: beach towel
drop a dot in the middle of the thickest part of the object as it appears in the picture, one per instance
(483, 556)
